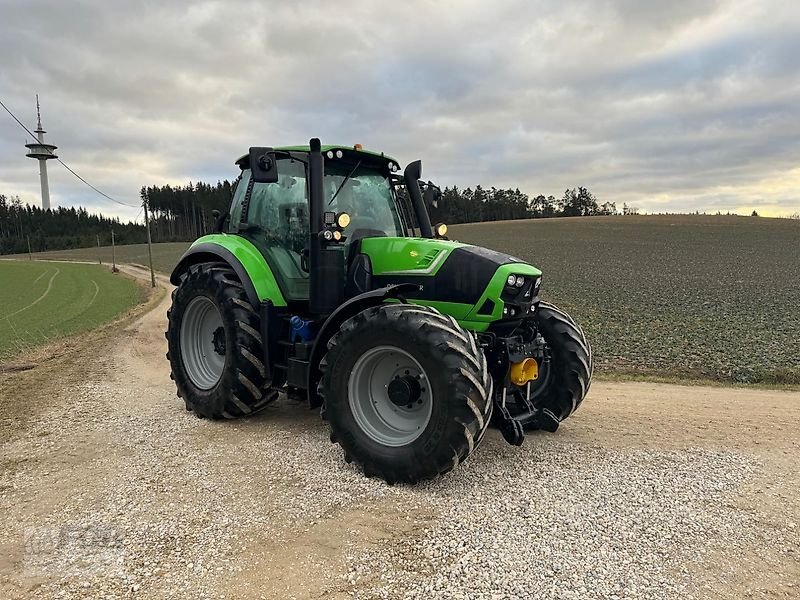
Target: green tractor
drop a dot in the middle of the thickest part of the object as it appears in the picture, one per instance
(325, 280)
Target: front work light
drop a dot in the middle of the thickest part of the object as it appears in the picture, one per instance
(343, 220)
(441, 230)
(337, 235)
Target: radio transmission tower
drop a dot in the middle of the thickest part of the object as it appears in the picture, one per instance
(41, 152)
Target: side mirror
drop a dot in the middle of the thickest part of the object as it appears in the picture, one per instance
(263, 166)
(432, 194)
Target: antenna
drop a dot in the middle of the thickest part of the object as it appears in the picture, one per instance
(38, 115)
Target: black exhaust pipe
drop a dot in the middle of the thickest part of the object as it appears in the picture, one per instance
(411, 175)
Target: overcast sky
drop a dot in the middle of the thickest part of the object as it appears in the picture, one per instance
(668, 106)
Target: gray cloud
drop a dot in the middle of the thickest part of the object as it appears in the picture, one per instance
(668, 106)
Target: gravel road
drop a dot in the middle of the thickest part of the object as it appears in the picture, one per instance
(110, 489)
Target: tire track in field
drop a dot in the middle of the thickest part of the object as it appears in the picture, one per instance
(35, 302)
(42, 274)
(96, 291)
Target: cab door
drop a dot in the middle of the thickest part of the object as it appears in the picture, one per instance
(274, 217)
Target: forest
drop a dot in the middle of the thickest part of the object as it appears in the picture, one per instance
(58, 228)
(184, 213)
(479, 205)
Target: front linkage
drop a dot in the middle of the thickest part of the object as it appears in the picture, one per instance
(515, 362)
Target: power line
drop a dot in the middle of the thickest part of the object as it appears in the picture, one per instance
(94, 188)
(21, 124)
(13, 116)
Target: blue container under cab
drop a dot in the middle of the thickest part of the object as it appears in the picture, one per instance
(301, 329)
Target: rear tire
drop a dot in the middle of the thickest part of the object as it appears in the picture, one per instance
(215, 345)
(449, 410)
(565, 381)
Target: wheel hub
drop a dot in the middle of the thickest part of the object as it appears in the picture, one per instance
(219, 341)
(389, 395)
(405, 391)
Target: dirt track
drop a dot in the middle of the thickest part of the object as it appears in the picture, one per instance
(110, 489)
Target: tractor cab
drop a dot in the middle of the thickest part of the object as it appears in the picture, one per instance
(363, 196)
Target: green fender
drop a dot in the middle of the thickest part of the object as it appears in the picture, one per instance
(242, 256)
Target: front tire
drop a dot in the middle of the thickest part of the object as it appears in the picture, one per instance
(215, 345)
(563, 382)
(406, 392)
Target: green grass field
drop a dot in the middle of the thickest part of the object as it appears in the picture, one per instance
(687, 297)
(43, 301)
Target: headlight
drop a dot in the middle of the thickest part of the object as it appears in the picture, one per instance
(343, 220)
(512, 280)
(520, 281)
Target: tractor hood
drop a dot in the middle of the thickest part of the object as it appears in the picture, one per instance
(462, 276)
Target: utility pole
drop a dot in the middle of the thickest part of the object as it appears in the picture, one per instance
(99, 258)
(30, 254)
(113, 253)
(149, 242)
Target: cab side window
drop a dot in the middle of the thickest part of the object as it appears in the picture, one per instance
(277, 223)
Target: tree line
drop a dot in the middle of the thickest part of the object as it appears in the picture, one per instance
(493, 204)
(184, 213)
(58, 228)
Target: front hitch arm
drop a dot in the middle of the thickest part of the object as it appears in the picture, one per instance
(511, 428)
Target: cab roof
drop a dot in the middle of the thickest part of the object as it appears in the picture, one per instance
(241, 161)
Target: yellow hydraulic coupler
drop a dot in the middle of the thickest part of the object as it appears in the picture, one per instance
(524, 371)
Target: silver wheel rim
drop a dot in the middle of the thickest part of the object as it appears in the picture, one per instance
(202, 343)
(376, 414)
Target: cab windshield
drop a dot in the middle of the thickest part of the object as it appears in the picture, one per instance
(366, 196)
